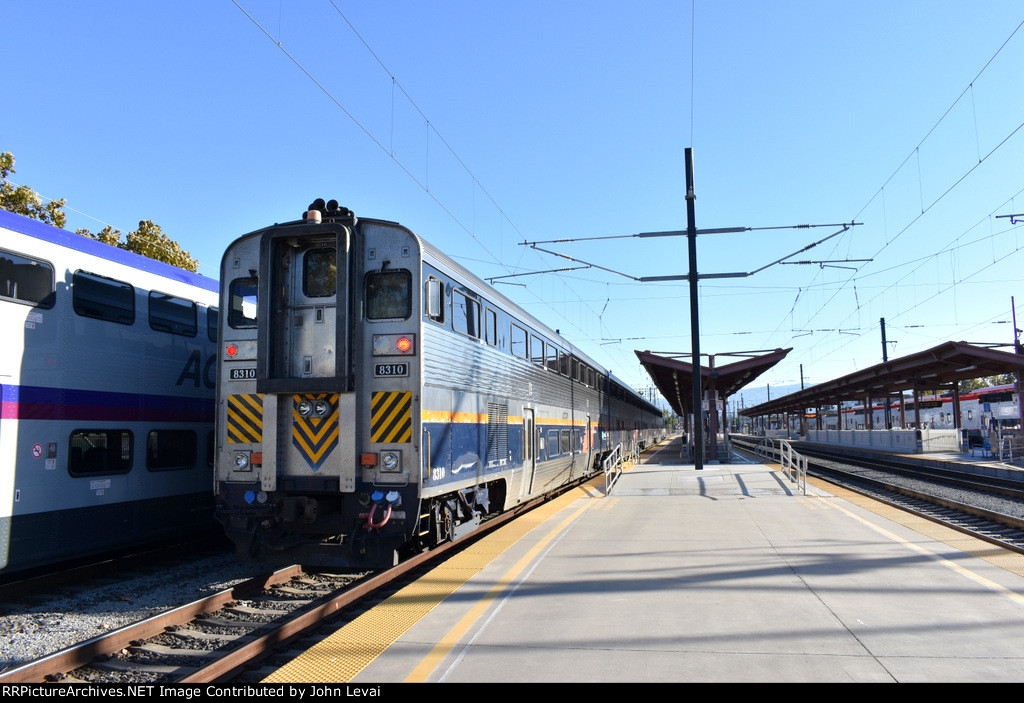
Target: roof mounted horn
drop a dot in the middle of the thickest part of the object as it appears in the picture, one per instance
(318, 211)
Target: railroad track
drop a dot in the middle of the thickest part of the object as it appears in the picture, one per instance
(217, 638)
(987, 507)
(117, 564)
(221, 637)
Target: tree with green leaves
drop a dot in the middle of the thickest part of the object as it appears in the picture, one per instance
(147, 240)
(25, 201)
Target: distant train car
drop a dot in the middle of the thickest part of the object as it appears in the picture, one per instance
(981, 409)
(107, 380)
(984, 409)
(375, 397)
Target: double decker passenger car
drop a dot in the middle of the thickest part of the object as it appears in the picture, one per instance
(107, 379)
(375, 397)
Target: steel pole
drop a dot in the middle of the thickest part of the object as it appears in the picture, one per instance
(691, 236)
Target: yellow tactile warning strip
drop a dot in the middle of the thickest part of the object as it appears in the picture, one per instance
(1006, 560)
(451, 639)
(342, 655)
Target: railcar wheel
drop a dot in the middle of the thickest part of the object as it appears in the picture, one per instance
(444, 516)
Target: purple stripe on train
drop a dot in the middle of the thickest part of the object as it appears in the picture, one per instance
(42, 403)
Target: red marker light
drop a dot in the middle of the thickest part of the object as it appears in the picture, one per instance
(404, 344)
(232, 350)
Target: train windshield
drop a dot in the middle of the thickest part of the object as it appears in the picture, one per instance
(242, 300)
(388, 294)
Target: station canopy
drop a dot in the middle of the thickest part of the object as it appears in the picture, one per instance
(674, 378)
(937, 368)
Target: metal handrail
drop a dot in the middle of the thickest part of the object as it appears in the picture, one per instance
(612, 466)
(1011, 449)
(794, 464)
(791, 461)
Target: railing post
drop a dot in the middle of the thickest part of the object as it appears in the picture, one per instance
(794, 464)
(612, 468)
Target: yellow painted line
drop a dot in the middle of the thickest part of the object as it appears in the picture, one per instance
(339, 657)
(450, 640)
(811, 501)
(988, 583)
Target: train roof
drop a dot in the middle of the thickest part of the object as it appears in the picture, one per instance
(76, 242)
(438, 258)
(442, 260)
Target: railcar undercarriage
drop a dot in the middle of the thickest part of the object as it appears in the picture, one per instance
(329, 530)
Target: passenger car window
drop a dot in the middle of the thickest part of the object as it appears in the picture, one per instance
(553, 446)
(168, 313)
(519, 342)
(212, 317)
(94, 452)
(465, 314)
(536, 350)
(552, 357)
(26, 280)
(170, 449)
(491, 327)
(102, 298)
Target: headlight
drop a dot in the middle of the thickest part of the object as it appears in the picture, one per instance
(389, 461)
(305, 408)
(321, 408)
(241, 461)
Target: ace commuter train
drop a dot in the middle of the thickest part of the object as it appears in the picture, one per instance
(108, 375)
(376, 399)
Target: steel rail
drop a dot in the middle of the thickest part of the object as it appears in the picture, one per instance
(88, 651)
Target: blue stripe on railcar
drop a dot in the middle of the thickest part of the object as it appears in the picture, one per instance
(94, 247)
(458, 450)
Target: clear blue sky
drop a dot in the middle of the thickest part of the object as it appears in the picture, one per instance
(483, 124)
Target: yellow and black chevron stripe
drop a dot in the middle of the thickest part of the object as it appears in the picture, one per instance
(391, 417)
(245, 418)
(315, 437)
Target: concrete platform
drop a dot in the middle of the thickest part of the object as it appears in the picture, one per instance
(719, 575)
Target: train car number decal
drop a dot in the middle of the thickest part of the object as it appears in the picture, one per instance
(242, 374)
(391, 370)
